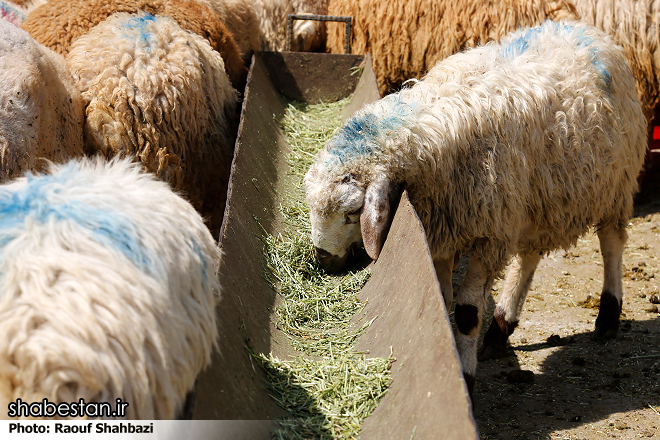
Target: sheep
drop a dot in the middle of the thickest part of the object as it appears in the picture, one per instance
(58, 23)
(428, 31)
(41, 110)
(507, 150)
(108, 289)
(11, 12)
(307, 35)
(159, 94)
(242, 21)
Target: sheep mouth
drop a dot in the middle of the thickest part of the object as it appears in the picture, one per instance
(334, 263)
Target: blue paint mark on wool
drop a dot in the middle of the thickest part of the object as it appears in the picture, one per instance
(140, 24)
(520, 45)
(360, 134)
(531, 37)
(205, 265)
(40, 201)
(11, 13)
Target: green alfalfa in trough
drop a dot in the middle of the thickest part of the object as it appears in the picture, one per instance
(328, 389)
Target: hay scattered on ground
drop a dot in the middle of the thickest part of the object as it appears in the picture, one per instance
(329, 390)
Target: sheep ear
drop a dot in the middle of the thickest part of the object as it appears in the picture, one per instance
(375, 219)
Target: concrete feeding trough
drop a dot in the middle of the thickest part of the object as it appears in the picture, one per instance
(427, 397)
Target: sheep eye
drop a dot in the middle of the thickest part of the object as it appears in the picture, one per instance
(349, 220)
(347, 178)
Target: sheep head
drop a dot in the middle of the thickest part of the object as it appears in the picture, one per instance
(346, 213)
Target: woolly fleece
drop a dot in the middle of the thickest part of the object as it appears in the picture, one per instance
(41, 110)
(107, 289)
(159, 94)
(59, 23)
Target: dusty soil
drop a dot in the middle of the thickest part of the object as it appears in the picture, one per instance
(576, 388)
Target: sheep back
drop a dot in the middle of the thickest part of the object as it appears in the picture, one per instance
(428, 31)
(41, 110)
(58, 23)
(158, 94)
(107, 289)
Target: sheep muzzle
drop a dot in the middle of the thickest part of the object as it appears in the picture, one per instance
(329, 262)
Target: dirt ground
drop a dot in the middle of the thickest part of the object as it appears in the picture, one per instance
(577, 388)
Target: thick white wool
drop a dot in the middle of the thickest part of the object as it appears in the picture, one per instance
(107, 289)
(41, 111)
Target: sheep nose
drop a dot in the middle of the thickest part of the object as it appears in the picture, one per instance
(331, 263)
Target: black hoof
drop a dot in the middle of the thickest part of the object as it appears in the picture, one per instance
(495, 339)
(607, 322)
(603, 333)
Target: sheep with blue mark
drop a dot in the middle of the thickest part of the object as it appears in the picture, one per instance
(108, 289)
(59, 23)
(159, 94)
(508, 151)
(11, 12)
(41, 110)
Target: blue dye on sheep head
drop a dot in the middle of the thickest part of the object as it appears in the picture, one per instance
(360, 136)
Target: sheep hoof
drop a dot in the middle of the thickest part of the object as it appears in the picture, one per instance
(495, 339)
(604, 333)
(607, 323)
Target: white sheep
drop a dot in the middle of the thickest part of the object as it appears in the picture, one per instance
(41, 110)
(511, 149)
(107, 289)
(159, 94)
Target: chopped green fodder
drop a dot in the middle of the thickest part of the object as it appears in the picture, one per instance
(329, 395)
(327, 398)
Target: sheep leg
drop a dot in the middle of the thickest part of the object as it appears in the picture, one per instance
(443, 270)
(468, 315)
(612, 243)
(507, 312)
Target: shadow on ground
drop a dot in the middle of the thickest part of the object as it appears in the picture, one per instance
(580, 382)
(576, 388)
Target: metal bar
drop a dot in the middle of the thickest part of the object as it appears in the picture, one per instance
(291, 17)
